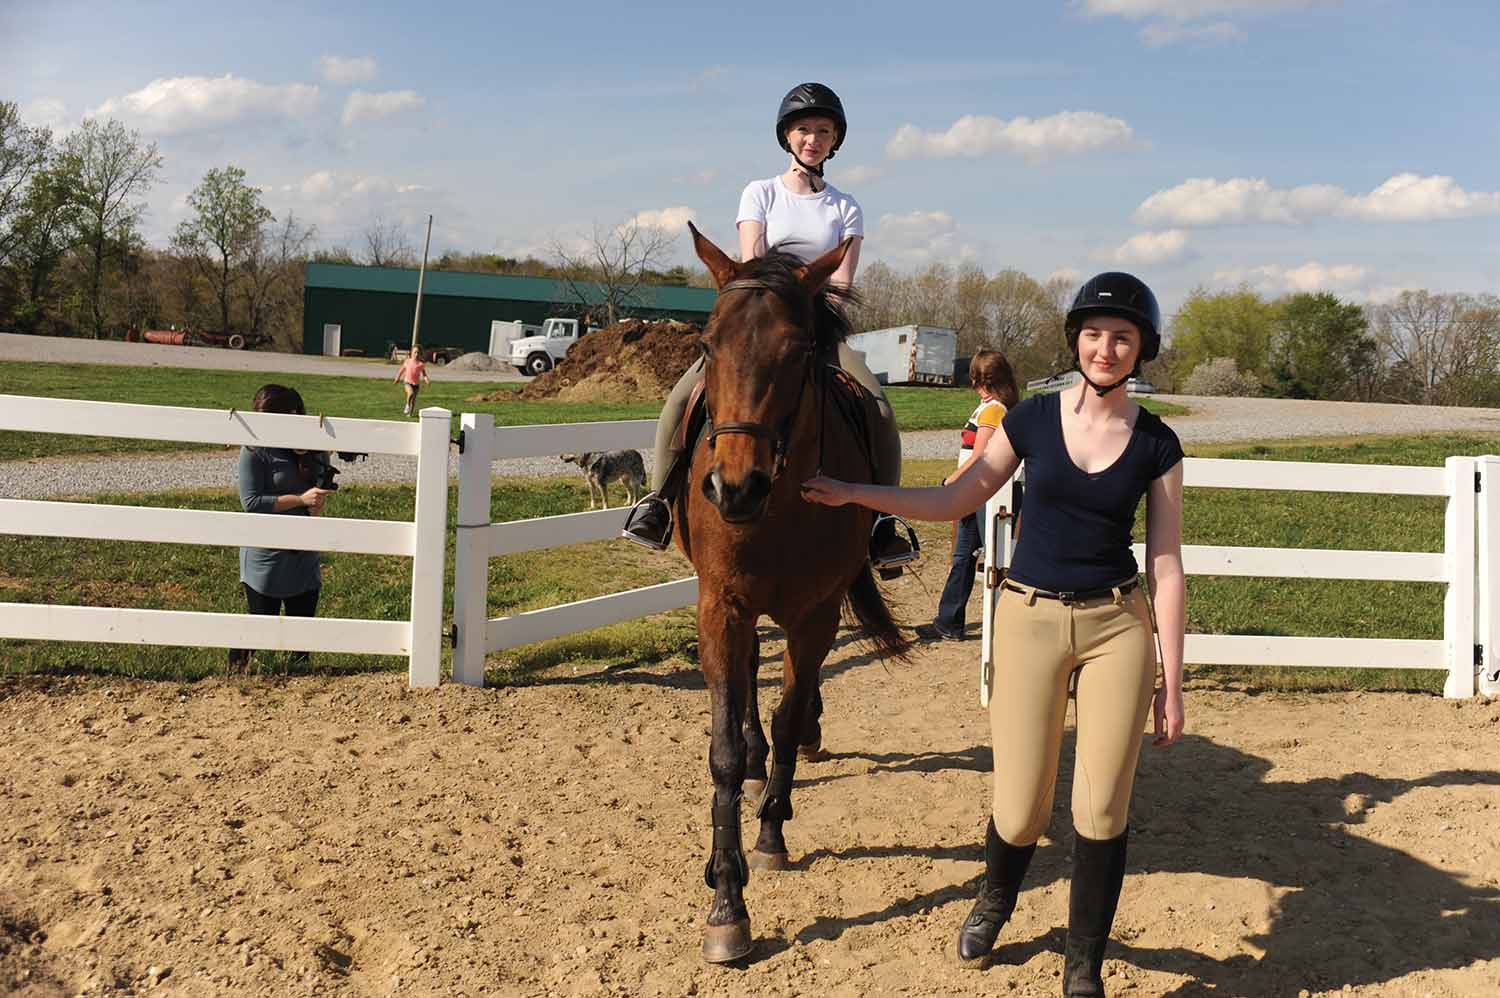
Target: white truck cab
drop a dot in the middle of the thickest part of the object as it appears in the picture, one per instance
(538, 354)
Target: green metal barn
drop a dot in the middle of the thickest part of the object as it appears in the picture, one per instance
(369, 309)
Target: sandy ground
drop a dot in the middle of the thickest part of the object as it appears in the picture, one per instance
(68, 350)
(349, 837)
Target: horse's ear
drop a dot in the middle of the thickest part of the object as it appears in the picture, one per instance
(817, 273)
(720, 266)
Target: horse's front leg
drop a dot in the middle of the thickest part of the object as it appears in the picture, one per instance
(807, 644)
(756, 746)
(726, 638)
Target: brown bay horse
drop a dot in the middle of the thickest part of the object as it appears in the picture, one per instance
(761, 550)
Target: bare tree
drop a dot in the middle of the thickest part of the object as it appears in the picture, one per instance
(1435, 341)
(387, 244)
(608, 272)
(114, 171)
(272, 268)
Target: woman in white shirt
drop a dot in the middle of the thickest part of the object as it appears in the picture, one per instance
(797, 212)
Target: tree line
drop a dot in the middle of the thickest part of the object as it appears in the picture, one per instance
(1420, 346)
(73, 262)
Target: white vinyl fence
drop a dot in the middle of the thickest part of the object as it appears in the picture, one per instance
(422, 540)
(479, 540)
(1469, 565)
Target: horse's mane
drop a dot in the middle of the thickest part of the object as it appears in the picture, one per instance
(777, 269)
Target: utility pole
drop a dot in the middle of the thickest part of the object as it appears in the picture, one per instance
(416, 319)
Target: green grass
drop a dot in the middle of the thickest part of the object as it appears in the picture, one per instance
(358, 398)
(110, 573)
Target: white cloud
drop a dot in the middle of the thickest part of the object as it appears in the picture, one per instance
(1151, 247)
(48, 112)
(1408, 197)
(1068, 275)
(337, 69)
(186, 103)
(1216, 33)
(1405, 197)
(1035, 139)
(363, 105)
(329, 185)
(855, 175)
(1192, 10)
(669, 220)
(1276, 279)
(701, 80)
(917, 238)
(699, 178)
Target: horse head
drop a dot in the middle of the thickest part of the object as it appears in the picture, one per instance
(772, 325)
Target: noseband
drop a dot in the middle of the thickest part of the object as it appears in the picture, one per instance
(779, 437)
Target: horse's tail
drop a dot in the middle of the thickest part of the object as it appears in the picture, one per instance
(867, 603)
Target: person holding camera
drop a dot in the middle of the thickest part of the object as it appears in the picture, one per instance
(278, 480)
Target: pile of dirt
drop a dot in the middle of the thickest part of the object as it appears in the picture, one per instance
(477, 362)
(630, 361)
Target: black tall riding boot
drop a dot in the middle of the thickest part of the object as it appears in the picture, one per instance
(1004, 869)
(1098, 871)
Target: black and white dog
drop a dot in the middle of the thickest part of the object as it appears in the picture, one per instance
(603, 467)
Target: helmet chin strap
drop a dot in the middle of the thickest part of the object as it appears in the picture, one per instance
(1105, 389)
(812, 171)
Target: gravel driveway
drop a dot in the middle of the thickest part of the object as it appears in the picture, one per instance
(1213, 420)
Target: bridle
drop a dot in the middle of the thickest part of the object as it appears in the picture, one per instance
(779, 437)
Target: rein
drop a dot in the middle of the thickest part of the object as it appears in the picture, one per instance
(779, 437)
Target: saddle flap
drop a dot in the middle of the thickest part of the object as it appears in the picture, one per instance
(692, 419)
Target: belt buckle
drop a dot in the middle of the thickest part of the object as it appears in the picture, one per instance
(1067, 599)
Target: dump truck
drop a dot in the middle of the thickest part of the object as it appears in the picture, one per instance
(909, 355)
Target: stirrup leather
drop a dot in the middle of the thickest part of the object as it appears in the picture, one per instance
(911, 538)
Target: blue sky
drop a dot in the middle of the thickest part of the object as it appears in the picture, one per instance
(1291, 144)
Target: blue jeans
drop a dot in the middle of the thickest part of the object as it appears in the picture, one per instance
(960, 584)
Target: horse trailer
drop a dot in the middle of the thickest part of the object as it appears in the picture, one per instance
(909, 355)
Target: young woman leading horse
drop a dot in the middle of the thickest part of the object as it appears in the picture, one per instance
(1071, 607)
(777, 412)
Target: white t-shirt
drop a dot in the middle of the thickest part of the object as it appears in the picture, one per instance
(805, 225)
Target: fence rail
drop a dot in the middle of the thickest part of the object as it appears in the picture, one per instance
(418, 638)
(1469, 623)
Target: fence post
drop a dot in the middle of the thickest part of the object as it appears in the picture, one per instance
(1488, 589)
(1459, 632)
(997, 544)
(430, 553)
(471, 551)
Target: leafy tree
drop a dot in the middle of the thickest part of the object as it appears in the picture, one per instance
(226, 223)
(1237, 324)
(1441, 347)
(1321, 345)
(48, 226)
(114, 171)
(24, 152)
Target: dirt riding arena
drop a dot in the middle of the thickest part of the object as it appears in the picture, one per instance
(348, 837)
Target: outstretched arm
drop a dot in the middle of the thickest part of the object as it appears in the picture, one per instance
(1169, 594)
(958, 499)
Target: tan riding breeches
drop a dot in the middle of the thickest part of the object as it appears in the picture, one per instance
(1038, 644)
(887, 437)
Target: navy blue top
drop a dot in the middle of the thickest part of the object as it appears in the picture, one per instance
(1076, 534)
(265, 473)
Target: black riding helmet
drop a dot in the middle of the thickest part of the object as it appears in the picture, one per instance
(805, 100)
(1123, 295)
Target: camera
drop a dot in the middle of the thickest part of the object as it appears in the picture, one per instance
(321, 471)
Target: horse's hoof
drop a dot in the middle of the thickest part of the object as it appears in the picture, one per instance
(753, 791)
(813, 753)
(727, 943)
(769, 860)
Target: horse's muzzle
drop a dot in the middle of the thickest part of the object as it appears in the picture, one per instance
(738, 502)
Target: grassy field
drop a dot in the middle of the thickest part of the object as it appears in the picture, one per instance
(358, 398)
(205, 578)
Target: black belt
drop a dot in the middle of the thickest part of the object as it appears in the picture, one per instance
(1072, 597)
